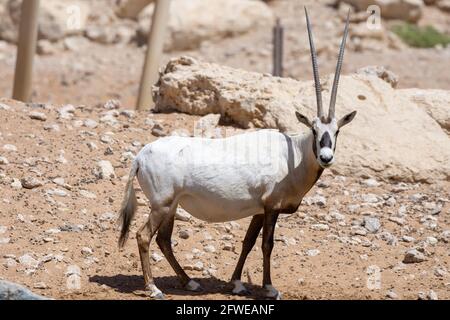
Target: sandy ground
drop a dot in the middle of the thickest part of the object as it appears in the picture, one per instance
(321, 252)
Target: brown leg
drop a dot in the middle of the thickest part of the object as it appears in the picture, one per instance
(270, 219)
(247, 246)
(144, 237)
(165, 244)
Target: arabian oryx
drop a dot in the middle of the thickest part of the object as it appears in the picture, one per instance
(261, 174)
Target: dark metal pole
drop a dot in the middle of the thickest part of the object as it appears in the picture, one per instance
(278, 46)
(26, 50)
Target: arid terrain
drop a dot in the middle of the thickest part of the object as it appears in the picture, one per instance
(65, 158)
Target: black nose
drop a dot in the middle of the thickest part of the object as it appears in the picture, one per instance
(326, 159)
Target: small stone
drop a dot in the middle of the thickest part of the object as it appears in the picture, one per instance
(57, 192)
(227, 246)
(88, 195)
(158, 131)
(320, 227)
(408, 239)
(108, 216)
(397, 220)
(431, 241)
(73, 270)
(369, 198)
(414, 256)
(89, 123)
(10, 147)
(182, 215)
(371, 183)
(28, 261)
(38, 116)
(391, 295)
(86, 251)
(372, 224)
(105, 170)
(31, 183)
(16, 184)
(198, 266)
(184, 234)
(3, 161)
(92, 146)
(312, 252)
(40, 285)
(156, 257)
(209, 248)
(432, 295)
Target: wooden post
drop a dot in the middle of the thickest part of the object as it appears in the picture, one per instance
(278, 35)
(154, 54)
(26, 49)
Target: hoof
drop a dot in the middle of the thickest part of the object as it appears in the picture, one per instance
(239, 288)
(193, 286)
(155, 293)
(272, 293)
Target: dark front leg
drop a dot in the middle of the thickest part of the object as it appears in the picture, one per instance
(247, 246)
(270, 219)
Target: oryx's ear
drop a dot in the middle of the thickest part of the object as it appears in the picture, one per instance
(346, 119)
(303, 119)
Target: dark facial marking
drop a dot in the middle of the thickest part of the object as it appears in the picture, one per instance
(325, 142)
(314, 143)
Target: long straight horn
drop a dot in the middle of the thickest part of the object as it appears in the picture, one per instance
(315, 67)
(337, 75)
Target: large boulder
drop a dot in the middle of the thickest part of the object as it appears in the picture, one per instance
(390, 138)
(57, 19)
(435, 102)
(193, 21)
(408, 10)
(12, 291)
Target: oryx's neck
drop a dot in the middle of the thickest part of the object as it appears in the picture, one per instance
(307, 171)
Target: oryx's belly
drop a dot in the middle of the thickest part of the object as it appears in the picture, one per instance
(216, 209)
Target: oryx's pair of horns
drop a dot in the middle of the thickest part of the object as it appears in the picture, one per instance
(337, 75)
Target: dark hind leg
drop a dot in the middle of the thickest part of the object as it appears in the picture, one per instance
(144, 237)
(165, 244)
(247, 245)
(270, 219)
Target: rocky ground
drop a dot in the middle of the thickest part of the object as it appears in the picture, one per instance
(64, 163)
(62, 173)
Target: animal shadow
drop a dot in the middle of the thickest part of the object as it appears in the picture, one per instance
(170, 285)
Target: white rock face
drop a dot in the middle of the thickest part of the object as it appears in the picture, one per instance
(408, 10)
(377, 143)
(435, 102)
(194, 21)
(57, 19)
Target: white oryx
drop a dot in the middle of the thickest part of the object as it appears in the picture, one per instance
(260, 174)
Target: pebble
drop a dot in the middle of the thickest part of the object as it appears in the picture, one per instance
(57, 192)
(28, 261)
(391, 295)
(228, 246)
(40, 285)
(86, 251)
(408, 239)
(372, 224)
(209, 248)
(89, 123)
(3, 161)
(184, 234)
(198, 266)
(320, 227)
(88, 195)
(370, 183)
(369, 198)
(156, 257)
(431, 241)
(38, 116)
(312, 252)
(414, 256)
(182, 215)
(397, 220)
(16, 184)
(105, 170)
(10, 147)
(31, 183)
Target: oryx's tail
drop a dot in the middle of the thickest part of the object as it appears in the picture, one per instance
(129, 206)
